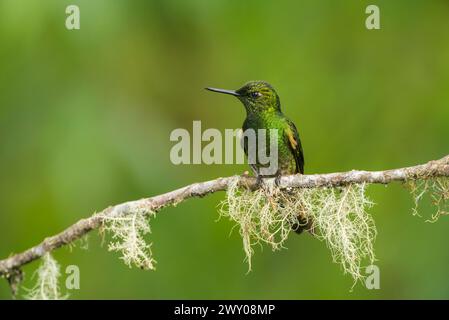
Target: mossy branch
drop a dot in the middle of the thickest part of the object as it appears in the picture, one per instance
(145, 208)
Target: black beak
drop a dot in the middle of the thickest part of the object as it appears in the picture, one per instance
(231, 92)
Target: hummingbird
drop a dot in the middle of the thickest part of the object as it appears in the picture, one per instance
(263, 111)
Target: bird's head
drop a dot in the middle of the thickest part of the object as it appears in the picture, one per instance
(256, 96)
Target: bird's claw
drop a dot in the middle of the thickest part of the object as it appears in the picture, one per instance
(277, 180)
(259, 181)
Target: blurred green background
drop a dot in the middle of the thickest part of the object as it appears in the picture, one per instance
(85, 119)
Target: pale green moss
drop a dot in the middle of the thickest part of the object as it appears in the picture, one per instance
(47, 283)
(338, 217)
(435, 189)
(128, 231)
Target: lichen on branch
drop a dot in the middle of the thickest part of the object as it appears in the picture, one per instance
(337, 214)
(436, 190)
(341, 219)
(324, 196)
(127, 231)
(260, 215)
(47, 281)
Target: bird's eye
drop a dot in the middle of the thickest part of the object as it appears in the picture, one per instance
(255, 94)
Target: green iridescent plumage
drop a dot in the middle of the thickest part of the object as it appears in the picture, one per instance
(263, 111)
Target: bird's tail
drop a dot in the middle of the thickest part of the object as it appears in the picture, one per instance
(303, 223)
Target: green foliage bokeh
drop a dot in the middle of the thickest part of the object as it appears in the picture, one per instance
(85, 118)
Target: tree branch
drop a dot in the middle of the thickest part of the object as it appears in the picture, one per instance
(10, 267)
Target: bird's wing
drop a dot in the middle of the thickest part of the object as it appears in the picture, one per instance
(293, 141)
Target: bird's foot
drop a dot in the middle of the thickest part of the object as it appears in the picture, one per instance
(267, 184)
(277, 180)
(259, 181)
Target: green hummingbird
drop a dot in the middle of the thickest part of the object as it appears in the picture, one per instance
(263, 111)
